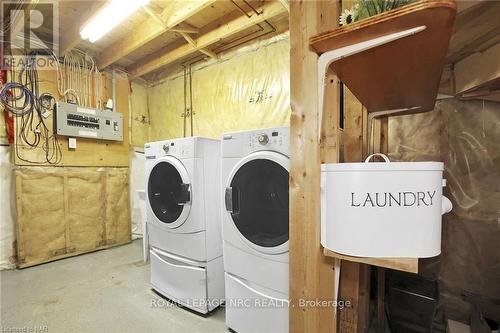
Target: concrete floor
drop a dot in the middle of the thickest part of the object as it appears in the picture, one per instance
(104, 291)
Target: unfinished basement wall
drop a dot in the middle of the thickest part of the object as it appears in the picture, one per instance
(139, 135)
(139, 114)
(246, 89)
(465, 135)
(7, 211)
(31, 204)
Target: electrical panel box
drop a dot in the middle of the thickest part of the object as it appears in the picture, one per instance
(77, 121)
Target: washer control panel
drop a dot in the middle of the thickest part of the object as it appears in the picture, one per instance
(177, 148)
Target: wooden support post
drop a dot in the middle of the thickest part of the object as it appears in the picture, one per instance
(354, 277)
(380, 299)
(311, 273)
(384, 148)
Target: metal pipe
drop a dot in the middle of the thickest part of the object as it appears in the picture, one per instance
(191, 112)
(114, 89)
(384, 113)
(184, 113)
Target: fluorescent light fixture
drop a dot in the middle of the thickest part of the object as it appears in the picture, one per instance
(112, 14)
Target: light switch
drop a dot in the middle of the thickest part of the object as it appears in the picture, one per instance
(72, 143)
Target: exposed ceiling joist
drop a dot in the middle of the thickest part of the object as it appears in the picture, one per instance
(155, 16)
(175, 13)
(193, 44)
(476, 28)
(184, 27)
(286, 4)
(70, 35)
(181, 27)
(241, 23)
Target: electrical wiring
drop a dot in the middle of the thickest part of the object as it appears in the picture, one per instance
(80, 76)
(72, 93)
(13, 92)
(23, 100)
(78, 81)
(77, 73)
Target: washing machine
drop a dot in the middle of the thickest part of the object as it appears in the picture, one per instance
(183, 221)
(255, 181)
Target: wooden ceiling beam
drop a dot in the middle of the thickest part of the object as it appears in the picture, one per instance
(175, 13)
(184, 27)
(70, 34)
(241, 23)
(286, 4)
(155, 16)
(181, 27)
(192, 42)
(476, 28)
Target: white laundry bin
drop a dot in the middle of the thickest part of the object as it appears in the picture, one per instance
(144, 219)
(390, 209)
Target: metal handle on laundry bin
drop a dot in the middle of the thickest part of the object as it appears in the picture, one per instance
(386, 159)
(232, 200)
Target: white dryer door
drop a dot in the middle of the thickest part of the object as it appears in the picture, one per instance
(169, 192)
(257, 200)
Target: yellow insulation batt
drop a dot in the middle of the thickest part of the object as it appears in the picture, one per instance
(64, 212)
(245, 89)
(139, 122)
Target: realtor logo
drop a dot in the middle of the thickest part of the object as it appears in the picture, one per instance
(29, 29)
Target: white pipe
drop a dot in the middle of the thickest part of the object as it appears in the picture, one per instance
(114, 89)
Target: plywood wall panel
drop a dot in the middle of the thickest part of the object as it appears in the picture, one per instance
(89, 152)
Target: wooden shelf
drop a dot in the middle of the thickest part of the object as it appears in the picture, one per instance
(401, 264)
(392, 63)
(393, 60)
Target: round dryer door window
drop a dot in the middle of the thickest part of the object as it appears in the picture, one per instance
(167, 192)
(257, 200)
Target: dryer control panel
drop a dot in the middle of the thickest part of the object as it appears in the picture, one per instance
(242, 143)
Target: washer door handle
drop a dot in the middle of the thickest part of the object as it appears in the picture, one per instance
(184, 195)
(232, 200)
